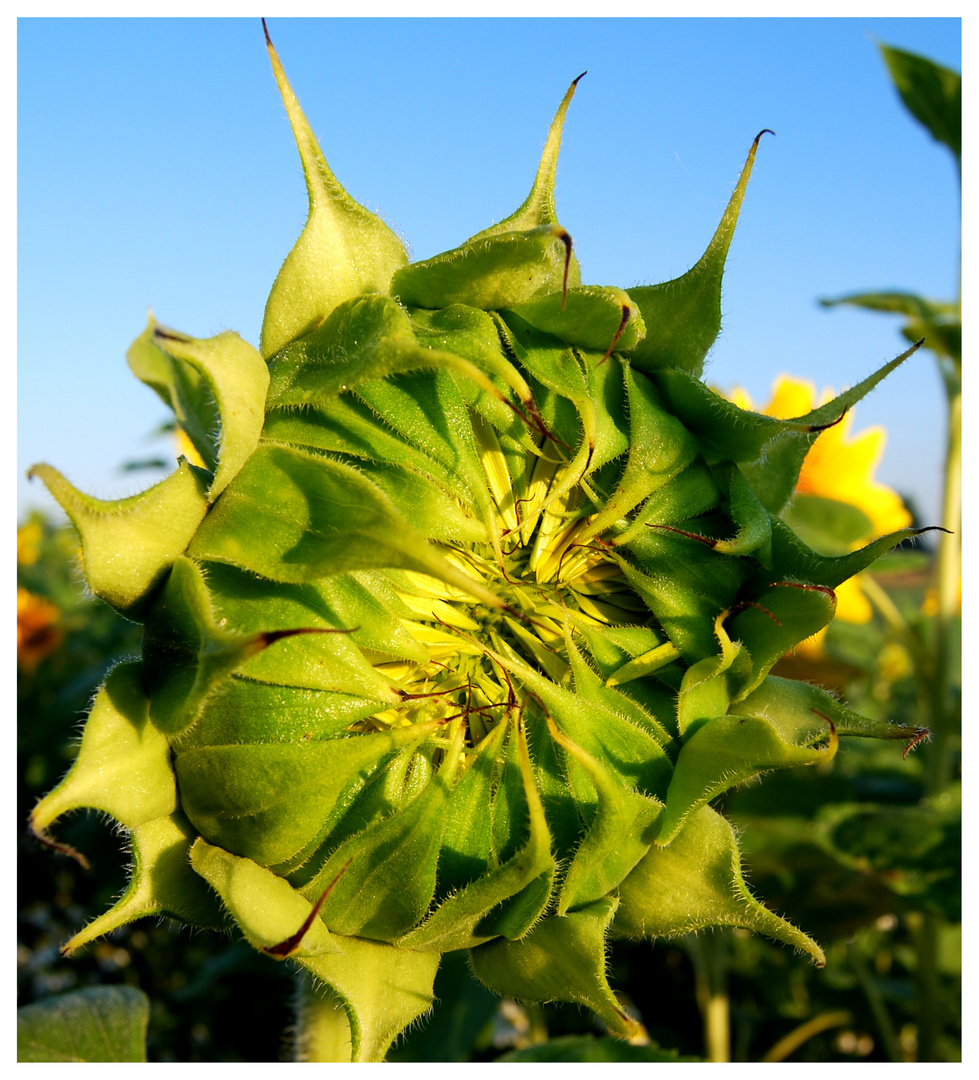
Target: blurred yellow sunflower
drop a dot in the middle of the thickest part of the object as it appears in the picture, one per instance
(839, 466)
(38, 633)
(29, 538)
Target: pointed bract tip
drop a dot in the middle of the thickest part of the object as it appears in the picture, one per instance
(268, 40)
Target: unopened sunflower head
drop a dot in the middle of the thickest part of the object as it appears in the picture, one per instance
(463, 621)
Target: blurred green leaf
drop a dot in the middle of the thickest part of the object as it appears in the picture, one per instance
(939, 322)
(828, 526)
(591, 1049)
(101, 1023)
(931, 93)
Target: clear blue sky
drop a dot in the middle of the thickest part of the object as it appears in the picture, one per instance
(156, 169)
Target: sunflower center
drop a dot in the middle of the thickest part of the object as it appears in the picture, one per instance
(552, 582)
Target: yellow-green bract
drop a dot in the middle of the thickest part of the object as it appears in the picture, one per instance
(463, 620)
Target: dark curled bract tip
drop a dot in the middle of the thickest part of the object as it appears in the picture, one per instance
(923, 735)
(284, 948)
(832, 423)
(626, 315)
(45, 838)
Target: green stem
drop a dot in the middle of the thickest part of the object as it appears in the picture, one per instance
(322, 1032)
(788, 1044)
(885, 1028)
(948, 577)
(942, 715)
(892, 615)
(709, 956)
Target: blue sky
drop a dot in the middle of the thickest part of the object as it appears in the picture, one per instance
(156, 169)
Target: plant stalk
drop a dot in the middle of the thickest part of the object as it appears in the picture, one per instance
(321, 1032)
(942, 712)
(709, 956)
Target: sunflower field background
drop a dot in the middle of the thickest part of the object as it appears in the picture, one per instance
(866, 857)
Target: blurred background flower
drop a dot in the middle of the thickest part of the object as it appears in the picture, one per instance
(38, 633)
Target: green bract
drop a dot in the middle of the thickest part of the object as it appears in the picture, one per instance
(464, 623)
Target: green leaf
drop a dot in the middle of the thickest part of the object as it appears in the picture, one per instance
(683, 316)
(267, 801)
(123, 764)
(354, 614)
(591, 687)
(294, 517)
(589, 1048)
(123, 769)
(794, 559)
(187, 653)
(939, 323)
(381, 988)
(343, 251)
(467, 838)
(536, 213)
(827, 525)
(773, 477)
(162, 883)
(181, 386)
(152, 528)
(725, 751)
(390, 880)
(729, 433)
(777, 696)
(931, 93)
(620, 834)
(216, 388)
(895, 302)
(776, 621)
(697, 882)
(267, 910)
(99, 1023)
(479, 910)
(915, 850)
(709, 685)
(368, 338)
(589, 316)
(660, 448)
(637, 758)
(489, 273)
(538, 208)
(561, 959)
(685, 584)
(754, 535)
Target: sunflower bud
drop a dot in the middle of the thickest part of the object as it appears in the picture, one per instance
(465, 620)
